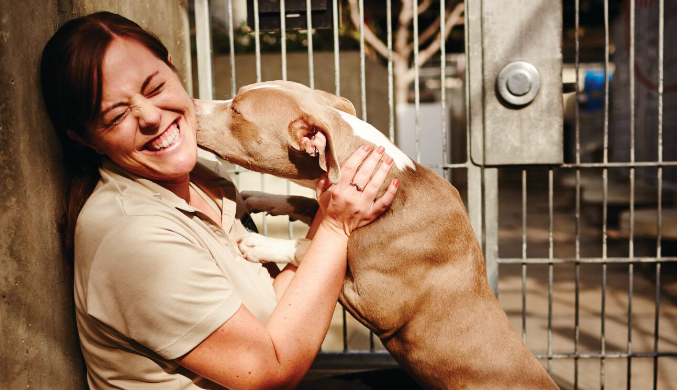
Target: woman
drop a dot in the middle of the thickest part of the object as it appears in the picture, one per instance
(163, 297)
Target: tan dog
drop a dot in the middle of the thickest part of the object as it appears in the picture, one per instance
(416, 276)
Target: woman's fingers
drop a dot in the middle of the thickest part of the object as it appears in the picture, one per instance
(372, 187)
(349, 168)
(362, 176)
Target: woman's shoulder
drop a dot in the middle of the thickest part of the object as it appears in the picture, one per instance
(125, 213)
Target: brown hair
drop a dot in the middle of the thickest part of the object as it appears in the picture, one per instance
(71, 89)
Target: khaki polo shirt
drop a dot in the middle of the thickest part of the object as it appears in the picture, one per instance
(154, 277)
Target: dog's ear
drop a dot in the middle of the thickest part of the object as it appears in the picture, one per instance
(338, 102)
(310, 135)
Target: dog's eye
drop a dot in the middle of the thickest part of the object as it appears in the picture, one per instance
(235, 111)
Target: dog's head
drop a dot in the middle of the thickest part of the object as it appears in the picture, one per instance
(278, 127)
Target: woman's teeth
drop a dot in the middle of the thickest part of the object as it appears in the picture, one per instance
(167, 139)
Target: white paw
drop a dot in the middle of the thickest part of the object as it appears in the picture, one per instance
(261, 249)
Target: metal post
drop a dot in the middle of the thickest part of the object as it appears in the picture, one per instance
(204, 50)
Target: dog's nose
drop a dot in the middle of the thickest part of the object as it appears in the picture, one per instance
(206, 107)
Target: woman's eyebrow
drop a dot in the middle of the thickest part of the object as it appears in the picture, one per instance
(143, 88)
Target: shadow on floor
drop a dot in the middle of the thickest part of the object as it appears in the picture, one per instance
(368, 380)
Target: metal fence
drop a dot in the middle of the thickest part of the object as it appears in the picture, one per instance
(474, 167)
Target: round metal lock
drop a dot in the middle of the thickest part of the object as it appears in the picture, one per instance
(518, 83)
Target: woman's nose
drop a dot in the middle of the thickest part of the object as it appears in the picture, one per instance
(149, 115)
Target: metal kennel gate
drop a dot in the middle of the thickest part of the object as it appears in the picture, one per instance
(512, 95)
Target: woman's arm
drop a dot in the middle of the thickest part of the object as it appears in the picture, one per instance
(243, 353)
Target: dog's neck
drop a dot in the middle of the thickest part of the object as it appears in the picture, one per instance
(363, 133)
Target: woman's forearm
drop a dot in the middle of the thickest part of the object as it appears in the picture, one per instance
(302, 316)
(316, 223)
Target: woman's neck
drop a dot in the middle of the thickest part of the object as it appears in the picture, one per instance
(180, 187)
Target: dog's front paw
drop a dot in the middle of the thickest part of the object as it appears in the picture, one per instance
(261, 249)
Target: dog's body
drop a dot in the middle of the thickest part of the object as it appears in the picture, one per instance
(416, 275)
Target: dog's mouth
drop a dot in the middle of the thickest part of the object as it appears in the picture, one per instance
(165, 140)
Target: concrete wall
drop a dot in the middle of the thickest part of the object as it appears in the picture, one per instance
(38, 338)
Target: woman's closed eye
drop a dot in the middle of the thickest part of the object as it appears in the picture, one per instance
(156, 90)
(118, 118)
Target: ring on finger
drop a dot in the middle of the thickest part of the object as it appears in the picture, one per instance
(357, 186)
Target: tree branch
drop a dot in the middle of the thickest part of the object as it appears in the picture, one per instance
(369, 35)
(430, 31)
(402, 33)
(425, 4)
(453, 19)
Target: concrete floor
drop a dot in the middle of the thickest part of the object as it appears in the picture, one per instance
(563, 303)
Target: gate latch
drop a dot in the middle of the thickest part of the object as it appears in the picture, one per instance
(518, 83)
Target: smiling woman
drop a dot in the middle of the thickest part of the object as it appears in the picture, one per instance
(163, 295)
(72, 92)
(143, 108)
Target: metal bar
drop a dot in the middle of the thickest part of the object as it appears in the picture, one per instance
(585, 260)
(231, 48)
(490, 181)
(656, 323)
(631, 244)
(283, 38)
(577, 266)
(661, 42)
(577, 330)
(475, 199)
(363, 88)
(309, 24)
(473, 113)
(610, 355)
(257, 45)
(443, 90)
(550, 266)
(417, 96)
(337, 74)
(605, 180)
(391, 90)
(466, 164)
(636, 164)
(204, 50)
(524, 255)
(345, 329)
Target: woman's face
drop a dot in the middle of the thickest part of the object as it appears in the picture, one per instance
(147, 121)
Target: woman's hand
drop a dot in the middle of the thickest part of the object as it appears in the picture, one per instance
(352, 202)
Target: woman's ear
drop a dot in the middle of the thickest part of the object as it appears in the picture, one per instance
(83, 141)
(169, 58)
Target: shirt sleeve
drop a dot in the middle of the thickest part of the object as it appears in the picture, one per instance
(151, 282)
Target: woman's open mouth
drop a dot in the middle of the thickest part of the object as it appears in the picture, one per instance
(166, 139)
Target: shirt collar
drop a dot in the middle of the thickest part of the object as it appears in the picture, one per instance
(219, 188)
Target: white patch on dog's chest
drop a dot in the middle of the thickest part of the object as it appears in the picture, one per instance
(369, 133)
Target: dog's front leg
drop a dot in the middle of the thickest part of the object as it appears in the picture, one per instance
(261, 249)
(298, 208)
